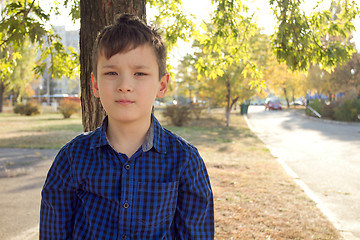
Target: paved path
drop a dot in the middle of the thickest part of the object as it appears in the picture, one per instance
(22, 175)
(324, 157)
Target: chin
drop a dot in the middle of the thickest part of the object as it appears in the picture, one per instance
(126, 118)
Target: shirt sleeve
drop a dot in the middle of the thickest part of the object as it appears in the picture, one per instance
(194, 217)
(58, 201)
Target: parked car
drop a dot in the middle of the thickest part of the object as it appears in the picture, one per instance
(298, 103)
(273, 104)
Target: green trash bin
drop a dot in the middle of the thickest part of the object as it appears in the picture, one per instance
(244, 108)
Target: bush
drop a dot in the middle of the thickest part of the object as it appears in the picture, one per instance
(348, 110)
(19, 108)
(196, 110)
(328, 110)
(316, 104)
(28, 109)
(178, 114)
(68, 107)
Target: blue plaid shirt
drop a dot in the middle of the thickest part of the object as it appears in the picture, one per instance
(162, 192)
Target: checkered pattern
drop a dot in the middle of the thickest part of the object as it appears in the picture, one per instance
(161, 192)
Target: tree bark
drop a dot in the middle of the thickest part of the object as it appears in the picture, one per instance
(228, 98)
(95, 15)
(286, 97)
(2, 90)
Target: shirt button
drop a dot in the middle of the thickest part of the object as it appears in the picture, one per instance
(123, 237)
(126, 205)
(127, 167)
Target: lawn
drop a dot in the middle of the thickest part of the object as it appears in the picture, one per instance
(42, 131)
(254, 198)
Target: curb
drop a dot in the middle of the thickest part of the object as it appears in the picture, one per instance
(325, 120)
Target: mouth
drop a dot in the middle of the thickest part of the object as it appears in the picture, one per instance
(124, 101)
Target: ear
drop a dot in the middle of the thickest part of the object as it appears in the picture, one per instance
(95, 86)
(164, 82)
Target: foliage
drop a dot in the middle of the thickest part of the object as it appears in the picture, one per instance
(348, 110)
(74, 6)
(226, 54)
(28, 109)
(316, 104)
(177, 114)
(187, 82)
(283, 82)
(227, 64)
(343, 110)
(22, 28)
(62, 62)
(328, 109)
(21, 20)
(323, 37)
(18, 81)
(196, 110)
(68, 107)
(318, 80)
(174, 22)
(346, 78)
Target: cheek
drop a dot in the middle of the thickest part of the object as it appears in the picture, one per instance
(106, 86)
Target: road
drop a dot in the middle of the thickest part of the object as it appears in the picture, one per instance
(322, 156)
(22, 175)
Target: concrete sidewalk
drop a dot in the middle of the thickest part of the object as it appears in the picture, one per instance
(22, 175)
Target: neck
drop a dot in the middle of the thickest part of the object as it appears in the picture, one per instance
(126, 138)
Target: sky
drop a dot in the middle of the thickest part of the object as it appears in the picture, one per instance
(202, 9)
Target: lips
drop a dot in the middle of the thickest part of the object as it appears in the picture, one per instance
(124, 101)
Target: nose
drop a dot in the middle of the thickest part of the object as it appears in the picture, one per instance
(125, 85)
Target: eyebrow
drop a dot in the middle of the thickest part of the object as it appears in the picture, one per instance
(109, 66)
(140, 66)
(133, 66)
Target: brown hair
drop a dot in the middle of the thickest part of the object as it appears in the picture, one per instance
(127, 33)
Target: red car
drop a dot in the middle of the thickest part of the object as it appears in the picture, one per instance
(273, 105)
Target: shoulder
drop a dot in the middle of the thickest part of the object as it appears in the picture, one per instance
(83, 142)
(191, 164)
(179, 142)
(170, 143)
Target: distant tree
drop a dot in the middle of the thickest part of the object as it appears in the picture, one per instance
(346, 78)
(188, 83)
(22, 74)
(285, 83)
(225, 44)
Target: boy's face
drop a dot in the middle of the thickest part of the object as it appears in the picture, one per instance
(128, 83)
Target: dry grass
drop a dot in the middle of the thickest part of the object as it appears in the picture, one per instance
(254, 197)
(42, 131)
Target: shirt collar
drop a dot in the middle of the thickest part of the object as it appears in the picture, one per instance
(159, 139)
(155, 137)
(99, 135)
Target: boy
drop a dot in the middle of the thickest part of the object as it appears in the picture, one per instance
(130, 178)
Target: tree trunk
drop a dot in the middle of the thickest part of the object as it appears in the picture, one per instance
(286, 98)
(2, 90)
(228, 98)
(95, 15)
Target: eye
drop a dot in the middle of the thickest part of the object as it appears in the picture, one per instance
(140, 74)
(110, 73)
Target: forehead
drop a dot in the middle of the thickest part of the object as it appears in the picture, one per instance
(144, 54)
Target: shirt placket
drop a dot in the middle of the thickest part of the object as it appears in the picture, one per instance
(127, 194)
